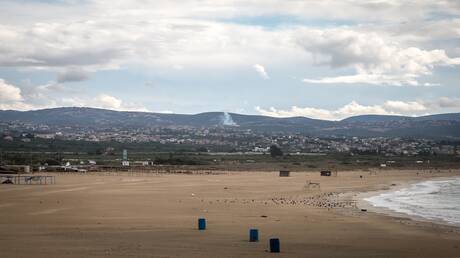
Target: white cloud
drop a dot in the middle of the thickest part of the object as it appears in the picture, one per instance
(103, 101)
(11, 97)
(356, 10)
(181, 34)
(386, 42)
(166, 112)
(375, 58)
(390, 107)
(261, 71)
(38, 97)
(401, 106)
(107, 43)
(375, 79)
(107, 101)
(351, 109)
(9, 93)
(15, 106)
(110, 102)
(297, 111)
(57, 45)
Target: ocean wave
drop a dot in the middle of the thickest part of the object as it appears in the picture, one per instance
(434, 200)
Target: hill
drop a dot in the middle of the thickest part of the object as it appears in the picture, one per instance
(432, 126)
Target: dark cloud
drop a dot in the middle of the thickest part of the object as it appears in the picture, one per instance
(73, 75)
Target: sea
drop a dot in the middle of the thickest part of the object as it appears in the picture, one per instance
(437, 200)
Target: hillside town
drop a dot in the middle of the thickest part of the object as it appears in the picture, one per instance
(231, 139)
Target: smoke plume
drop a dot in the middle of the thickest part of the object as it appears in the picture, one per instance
(227, 120)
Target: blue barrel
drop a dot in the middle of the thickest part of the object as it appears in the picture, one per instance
(201, 224)
(274, 245)
(253, 235)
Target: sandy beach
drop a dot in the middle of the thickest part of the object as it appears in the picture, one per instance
(140, 215)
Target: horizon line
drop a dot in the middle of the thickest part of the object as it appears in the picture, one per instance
(232, 113)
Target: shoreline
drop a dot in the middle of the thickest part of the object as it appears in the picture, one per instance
(361, 203)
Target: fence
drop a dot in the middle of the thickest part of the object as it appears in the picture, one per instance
(28, 180)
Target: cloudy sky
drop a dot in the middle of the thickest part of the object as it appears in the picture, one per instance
(321, 59)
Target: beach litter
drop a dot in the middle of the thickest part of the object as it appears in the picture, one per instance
(201, 224)
(253, 235)
(274, 245)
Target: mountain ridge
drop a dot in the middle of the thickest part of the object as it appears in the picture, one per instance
(439, 125)
(444, 116)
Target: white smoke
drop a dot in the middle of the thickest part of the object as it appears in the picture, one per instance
(227, 120)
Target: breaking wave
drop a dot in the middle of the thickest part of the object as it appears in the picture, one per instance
(434, 200)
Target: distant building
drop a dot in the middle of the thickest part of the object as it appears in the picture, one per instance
(142, 163)
(8, 138)
(261, 149)
(45, 135)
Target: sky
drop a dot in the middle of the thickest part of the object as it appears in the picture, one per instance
(319, 59)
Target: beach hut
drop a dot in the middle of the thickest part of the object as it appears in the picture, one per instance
(284, 173)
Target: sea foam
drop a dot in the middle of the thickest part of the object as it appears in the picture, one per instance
(434, 200)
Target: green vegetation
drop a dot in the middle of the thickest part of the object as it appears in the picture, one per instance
(57, 152)
(275, 151)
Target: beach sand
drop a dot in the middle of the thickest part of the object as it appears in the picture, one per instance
(156, 216)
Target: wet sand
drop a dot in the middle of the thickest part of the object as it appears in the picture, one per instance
(156, 216)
